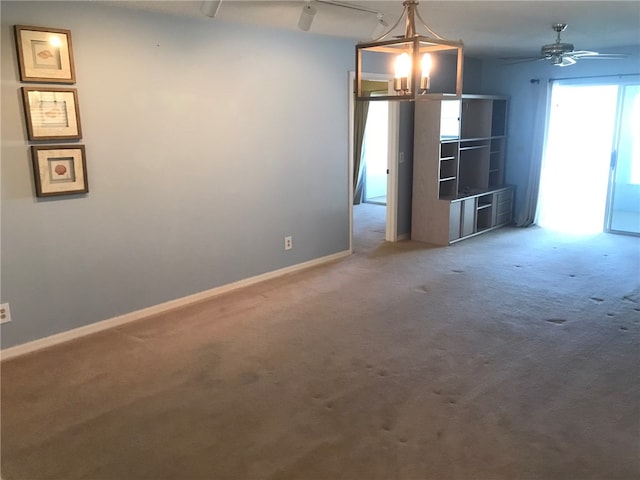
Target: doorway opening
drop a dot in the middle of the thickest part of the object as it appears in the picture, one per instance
(375, 154)
(373, 165)
(583, 166)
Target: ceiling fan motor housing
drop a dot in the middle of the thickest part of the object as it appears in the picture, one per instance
(556, 49)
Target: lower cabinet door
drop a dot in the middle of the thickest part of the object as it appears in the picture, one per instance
(455, 217)
(494, 212)
(468, 216)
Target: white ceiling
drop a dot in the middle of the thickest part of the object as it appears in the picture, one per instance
(487, 28)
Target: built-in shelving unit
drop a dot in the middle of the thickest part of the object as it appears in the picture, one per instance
(459, 168)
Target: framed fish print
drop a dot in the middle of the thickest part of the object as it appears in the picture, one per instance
(59, 169)
(52, 113)
(45, 54)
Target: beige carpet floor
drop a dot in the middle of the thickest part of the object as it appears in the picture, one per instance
(512, 355)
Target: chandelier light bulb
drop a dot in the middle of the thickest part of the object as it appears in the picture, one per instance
(403, 65)
(402, 72)
(425, 79)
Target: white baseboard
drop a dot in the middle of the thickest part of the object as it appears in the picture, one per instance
(58, 338)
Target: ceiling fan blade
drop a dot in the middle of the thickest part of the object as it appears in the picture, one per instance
(582, 53)
(566, 61)
(604, 56)
(520, 57)
(517, 60)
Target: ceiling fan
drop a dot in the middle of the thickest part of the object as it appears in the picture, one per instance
(563, 54)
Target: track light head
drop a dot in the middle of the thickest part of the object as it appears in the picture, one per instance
(380, 28)
(210, 7)
(306, 17)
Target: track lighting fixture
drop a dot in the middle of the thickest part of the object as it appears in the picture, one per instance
(306, 17)
(309, 10)
(412, 59)
(380, 28)
(210, 7)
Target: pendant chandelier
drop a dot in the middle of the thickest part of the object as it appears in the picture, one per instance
(423, 67)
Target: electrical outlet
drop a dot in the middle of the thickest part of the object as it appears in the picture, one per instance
(5, 313)
(288, 243)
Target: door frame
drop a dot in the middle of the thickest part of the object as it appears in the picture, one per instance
(611, 187)
(391, 229)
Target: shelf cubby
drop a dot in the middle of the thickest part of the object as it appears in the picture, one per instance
(448, 168)
(476, 118)
(449, 120)
(499, 117)
(483, 219)
(447, 188)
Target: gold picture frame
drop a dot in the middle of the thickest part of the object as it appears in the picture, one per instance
(59, 170)
(52, 113)
(45, 54)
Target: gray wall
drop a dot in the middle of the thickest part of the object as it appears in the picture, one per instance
(515, 82)
(206, 143)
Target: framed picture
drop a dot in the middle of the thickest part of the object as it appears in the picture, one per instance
(59, 170)
(45, 54)
(52, 113)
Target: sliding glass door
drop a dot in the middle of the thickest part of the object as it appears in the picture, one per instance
(623, 212)
(590, 177)
(575, 171)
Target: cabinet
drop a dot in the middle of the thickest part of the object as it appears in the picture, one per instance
(478, 213)
(459, 168)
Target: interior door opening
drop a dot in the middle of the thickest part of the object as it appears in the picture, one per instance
(380, 195)
(375, 154)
